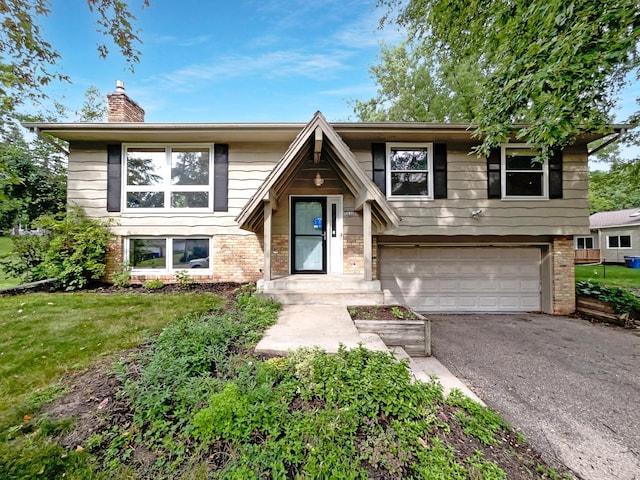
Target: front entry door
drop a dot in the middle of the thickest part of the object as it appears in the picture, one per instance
(308, 233)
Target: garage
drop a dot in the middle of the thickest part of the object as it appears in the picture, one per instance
(461, 279)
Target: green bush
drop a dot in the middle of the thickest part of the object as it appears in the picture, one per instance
(622, 301)
(153, 284)
(27, 255)
(122, 278)
(73, 250)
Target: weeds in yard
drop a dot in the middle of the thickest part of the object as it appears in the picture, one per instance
(153, 284)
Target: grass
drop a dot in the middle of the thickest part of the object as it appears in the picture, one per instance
(5, 248)
(47, 335)
(609, 275)
(199, 404)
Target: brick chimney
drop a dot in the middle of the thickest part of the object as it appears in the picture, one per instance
(121, 108)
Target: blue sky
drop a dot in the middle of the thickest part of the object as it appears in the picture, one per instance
(236, 61)
(244, 61)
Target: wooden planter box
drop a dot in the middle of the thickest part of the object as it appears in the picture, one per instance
(412, 335)
(601, 311)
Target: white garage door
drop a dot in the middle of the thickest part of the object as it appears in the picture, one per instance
(455, 279)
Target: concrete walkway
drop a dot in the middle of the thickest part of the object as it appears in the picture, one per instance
(328, 326)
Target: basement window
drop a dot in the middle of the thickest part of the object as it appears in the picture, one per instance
(168, 254)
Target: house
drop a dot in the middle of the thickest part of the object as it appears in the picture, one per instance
(377, 212)
(613, 236)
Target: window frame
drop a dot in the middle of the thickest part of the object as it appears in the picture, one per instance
(167, 188)
(584, 238)
(503, 173)
(430, 171)
(609, 247)
(168, 269)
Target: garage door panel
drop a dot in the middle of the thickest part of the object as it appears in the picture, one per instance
(462, 279)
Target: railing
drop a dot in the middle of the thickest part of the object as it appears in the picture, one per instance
(591, 255)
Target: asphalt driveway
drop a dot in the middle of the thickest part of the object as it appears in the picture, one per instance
(573, 388)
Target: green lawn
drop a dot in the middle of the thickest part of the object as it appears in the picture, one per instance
(46, 335)
(611, 275)
(5, 247)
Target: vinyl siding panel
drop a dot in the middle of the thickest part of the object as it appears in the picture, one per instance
(467, 191)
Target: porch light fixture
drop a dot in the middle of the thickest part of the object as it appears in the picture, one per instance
(318, 181)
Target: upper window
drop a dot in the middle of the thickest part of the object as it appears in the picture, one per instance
(522, 176)
(618, 241)
(584, 243)
(409, 168)
(168, 178)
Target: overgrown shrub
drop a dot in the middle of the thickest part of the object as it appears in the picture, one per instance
(77, 249)
(622, 301)
(72, 250)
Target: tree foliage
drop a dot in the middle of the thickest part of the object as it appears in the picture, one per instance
(617, 189)
(28, 62)
(556, 65)
(415, 85)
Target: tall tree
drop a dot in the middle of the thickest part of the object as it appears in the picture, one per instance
(28, 62)
(414, 84)
(557, 65)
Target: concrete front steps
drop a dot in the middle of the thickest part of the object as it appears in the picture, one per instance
(323, 290)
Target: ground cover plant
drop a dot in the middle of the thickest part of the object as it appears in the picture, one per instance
(198, 403)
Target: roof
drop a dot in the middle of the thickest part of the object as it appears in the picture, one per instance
(260, 132)
(618, 218)
(315, 136)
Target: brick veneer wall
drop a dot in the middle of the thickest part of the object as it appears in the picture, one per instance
(279, 255)
(564, 293)
(235, 258)
(353, 248)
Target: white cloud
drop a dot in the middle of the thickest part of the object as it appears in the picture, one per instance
(272, 65)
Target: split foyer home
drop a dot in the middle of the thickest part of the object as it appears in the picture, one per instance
(399, 213)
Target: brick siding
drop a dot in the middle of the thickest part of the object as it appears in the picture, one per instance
(120, 108)
(564, 294)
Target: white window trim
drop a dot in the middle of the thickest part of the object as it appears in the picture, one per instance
(503, 174)
(168, 270)
(585, 237)
(430, 184)
(166, 188)
(609, 247)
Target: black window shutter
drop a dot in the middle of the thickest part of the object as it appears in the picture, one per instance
(494, 182)
(379, 156)
(221, 178)
(440, 170)
(555, 175)
(114, 177)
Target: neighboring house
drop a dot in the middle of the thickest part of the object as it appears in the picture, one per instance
(613, 236)
(402, 211)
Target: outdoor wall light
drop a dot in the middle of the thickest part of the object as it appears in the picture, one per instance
(318, 181)
(476, 213)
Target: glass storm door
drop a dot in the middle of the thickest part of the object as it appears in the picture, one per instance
(308, 232)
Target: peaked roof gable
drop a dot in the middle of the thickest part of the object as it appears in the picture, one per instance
(319, 134)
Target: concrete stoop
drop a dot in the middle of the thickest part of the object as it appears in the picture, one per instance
(323, 290)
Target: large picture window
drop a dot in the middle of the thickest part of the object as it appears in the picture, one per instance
(168, 178)
(618, 241)
(410, 170)
(523, 177)
(169, 254)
